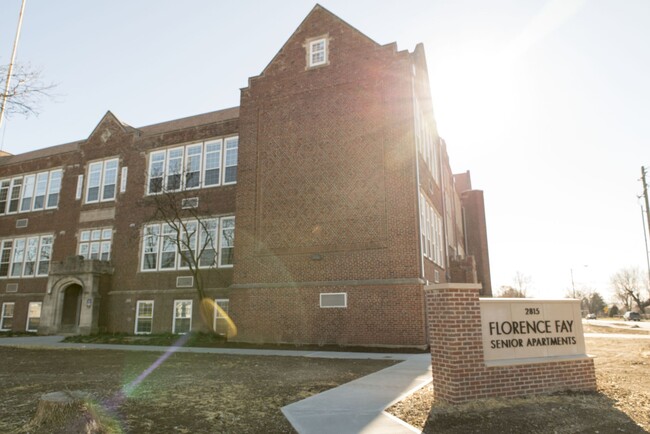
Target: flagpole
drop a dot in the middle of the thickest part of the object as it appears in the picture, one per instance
(11, 63)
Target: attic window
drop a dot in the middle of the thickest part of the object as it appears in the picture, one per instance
(317, 52)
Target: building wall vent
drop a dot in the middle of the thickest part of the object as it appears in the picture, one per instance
(184, 282)
(190, 203)
(12, 287)
(21, 223)
(334, 299)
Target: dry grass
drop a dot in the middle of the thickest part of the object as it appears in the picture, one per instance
(622, 403)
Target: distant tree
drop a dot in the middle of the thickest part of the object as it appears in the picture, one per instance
(522, 283)
(26, 90)
(596, 303)
(510, 292)
(613, 311)
(629, 289)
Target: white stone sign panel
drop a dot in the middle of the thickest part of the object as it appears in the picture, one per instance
(519, 329)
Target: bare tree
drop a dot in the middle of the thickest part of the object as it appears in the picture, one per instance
(628, 288)
(510, 292)
(189, 235)
(26, 91)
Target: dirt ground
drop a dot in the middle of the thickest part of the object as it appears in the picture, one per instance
(187, 393)
(622, 404)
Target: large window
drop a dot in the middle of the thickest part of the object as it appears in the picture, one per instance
(206, 242)
(206, 164)
(425, 140)
(95, 243)
(431, 232)
(33, 192)
(101, 181)
(25, 257)
(33, 316)
(144, 317)
(182, 316)
(7, 316)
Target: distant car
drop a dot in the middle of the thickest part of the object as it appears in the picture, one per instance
(591, 316)
(632, 316)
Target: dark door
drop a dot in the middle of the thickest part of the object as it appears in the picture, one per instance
(71, 306)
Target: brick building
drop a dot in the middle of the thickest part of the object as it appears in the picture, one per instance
(327, 197)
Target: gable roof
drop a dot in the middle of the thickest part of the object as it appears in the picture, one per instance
(191, 121)
(309, 16)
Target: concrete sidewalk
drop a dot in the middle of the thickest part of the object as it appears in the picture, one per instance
(55, 342)
(358, 406)
(355, 407)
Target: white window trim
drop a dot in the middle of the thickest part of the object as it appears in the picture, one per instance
(174, 315)
(177, 263)
(137, 316)
(216, 311)
(37, 260)
(3, 315)
(310, 51)
(102, 180)
(223, 141)
(101, 242)
(48, 174)
(30, 317)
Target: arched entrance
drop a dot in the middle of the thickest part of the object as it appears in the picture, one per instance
(71, 308)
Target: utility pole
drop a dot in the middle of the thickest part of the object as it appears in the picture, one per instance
(647, 214)
(11, 63)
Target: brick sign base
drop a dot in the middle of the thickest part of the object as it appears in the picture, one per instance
(460, 373)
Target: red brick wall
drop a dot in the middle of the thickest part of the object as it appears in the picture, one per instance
(375, 315)
(459, 371)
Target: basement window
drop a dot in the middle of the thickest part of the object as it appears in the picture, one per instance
(334, 300)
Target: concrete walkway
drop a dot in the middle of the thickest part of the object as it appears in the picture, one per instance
(358, 406)
(355, 407)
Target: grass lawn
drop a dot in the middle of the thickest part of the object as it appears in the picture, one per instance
(187, 393)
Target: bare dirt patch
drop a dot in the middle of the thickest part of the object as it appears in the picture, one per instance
(187, 393)
(622, 403)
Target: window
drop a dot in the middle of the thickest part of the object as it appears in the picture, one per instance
(95, 243)
(230, 161)
(431, 232)
(205, 164)
(101, 181)
(317, 52)
(221, 314)
(7, 317)
(25, 257)
(182, 316)
(227, 242)
(144, 317)
(200, 242)
(33, 316)
(32, 192)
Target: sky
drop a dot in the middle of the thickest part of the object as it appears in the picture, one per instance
(546, 102)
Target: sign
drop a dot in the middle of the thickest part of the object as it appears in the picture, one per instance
(519, 329)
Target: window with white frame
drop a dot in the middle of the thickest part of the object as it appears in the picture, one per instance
(317, 52)
(144, 317)
(197, 165)
(221, 313)
(205, 242)
(182, 316)
(7, 316)
(431, 232)
(425, 140)
(33, 192)
(25, 257)
(95, 243)
(101, 181)
(33, 316)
